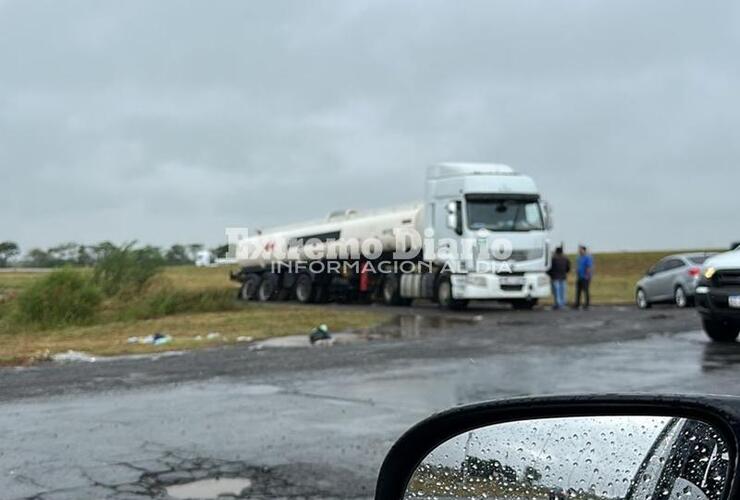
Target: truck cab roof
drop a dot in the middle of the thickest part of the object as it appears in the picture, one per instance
(454, 169)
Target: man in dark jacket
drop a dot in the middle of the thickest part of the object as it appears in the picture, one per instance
(558, 275)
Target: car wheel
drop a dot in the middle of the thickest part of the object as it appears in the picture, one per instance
(721, 331)
(679, 297)
(641, 299)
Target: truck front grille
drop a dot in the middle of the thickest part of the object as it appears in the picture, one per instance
(511, 288)
(729, 277)
(718, 302)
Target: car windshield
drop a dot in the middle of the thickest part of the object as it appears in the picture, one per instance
(698, 259)
(501, 214)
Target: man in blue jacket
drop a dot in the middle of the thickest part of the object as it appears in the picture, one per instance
(585, 270)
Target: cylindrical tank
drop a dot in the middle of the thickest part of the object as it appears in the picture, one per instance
(340, 236)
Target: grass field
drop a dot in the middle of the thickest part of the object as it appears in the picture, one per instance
(614, 281)
(615, 275)
(254, 320)
(24, 344)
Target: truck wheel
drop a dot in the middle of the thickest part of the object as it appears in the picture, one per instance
(248, 290)
(268, 288)
(523, 304)
(285, 290)
(641, 299)
(444, 296)
(679, 297)
(304, 292)
(721, 331)
(392, 291)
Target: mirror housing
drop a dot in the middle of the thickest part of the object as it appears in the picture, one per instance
(547, 215)
(722, 413)
(454, 217)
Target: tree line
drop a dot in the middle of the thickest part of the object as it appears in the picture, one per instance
(76, 254)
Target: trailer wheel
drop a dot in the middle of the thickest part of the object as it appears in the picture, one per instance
(250, 285)
(287, 285)
(268, 287)
(391, 291)
(444, 296)
(304, 289)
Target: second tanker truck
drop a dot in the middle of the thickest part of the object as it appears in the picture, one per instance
(481, 233)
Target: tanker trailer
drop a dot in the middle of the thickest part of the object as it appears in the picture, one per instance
(481, 233)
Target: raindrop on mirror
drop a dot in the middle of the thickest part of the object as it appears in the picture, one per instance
(579, 458)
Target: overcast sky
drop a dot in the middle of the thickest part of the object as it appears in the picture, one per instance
(167, 121)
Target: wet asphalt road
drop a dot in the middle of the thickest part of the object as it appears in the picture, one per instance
(316, 422)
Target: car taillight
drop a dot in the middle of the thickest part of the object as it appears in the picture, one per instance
(694, 271)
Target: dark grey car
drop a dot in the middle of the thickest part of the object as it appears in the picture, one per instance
(672, 279)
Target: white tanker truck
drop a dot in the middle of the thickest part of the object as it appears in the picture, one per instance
(481, 233)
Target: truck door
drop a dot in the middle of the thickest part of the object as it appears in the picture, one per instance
(449, 220)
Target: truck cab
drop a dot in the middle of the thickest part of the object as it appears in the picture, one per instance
(490, 231)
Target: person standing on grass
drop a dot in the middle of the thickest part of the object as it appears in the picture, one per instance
(559, 269)
(585, 270)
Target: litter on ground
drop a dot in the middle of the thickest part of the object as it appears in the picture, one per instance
(320, 333)
(156, 339)
(73, 356)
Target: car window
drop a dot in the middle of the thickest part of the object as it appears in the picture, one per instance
(674, 264)
(660, 266)
(698, 259)
(688, 461)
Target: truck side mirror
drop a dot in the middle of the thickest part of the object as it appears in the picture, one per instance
(454, 217)
(547, 215)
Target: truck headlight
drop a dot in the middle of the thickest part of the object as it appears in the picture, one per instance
(709, 272)
(527, 254)
(543, 280)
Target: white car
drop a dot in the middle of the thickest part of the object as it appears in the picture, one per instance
(717, 296)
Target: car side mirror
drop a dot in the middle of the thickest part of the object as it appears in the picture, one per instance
(571, 448)
(650, 271)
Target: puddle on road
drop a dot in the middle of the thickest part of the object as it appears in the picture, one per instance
(718, 356)
(416, 325)
(399, 327)
(209, 488)
(302, 341)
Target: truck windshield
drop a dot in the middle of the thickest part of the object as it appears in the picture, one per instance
(504, 214)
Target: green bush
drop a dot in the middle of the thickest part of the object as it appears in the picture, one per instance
(167, 301)
(126, 270)
(63, 297)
